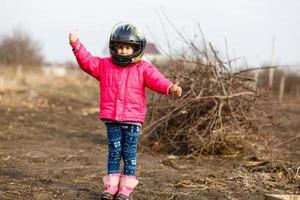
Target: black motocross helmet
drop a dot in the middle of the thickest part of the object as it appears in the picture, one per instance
(126, 33)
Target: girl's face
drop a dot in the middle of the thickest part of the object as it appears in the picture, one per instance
(124, 49)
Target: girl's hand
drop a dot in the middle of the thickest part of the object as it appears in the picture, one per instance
(73, 36)
(176, 90)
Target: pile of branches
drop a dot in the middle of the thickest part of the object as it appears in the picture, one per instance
(217, 111)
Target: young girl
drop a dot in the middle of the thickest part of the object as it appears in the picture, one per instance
(122, 79)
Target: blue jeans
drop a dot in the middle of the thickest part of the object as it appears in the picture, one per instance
(122, 142)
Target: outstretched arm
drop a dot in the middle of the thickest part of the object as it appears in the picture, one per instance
(158, 83)
(86, 61)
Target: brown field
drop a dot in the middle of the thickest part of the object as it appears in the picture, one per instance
(53, 146)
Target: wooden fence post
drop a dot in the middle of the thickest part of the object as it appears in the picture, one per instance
(281, 88)
(271, 77)
(256, 75)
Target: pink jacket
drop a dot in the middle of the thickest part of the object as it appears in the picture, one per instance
(122, 89)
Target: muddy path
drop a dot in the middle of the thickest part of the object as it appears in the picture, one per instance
(54, 147)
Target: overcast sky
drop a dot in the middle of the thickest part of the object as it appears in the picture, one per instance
(248, 25)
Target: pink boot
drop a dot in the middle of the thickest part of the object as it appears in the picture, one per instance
(111, 184)
(127, 184)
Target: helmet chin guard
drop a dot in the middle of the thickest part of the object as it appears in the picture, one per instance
(129, 34)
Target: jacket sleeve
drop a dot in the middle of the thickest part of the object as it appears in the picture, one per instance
(156, 81)
(86, 61)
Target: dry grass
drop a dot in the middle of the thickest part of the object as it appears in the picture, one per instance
(33, 80)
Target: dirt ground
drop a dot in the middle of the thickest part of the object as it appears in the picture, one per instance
(53, 146)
